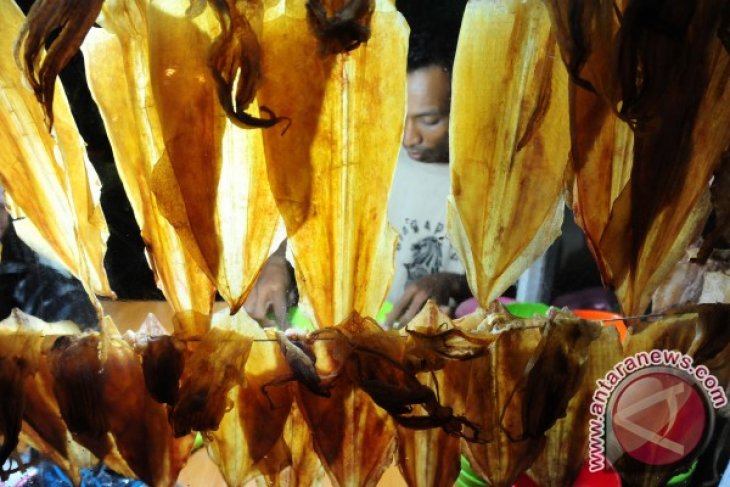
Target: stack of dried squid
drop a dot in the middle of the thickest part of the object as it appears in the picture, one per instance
(225, 116)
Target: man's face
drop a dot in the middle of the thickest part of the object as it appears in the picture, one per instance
(426, 136)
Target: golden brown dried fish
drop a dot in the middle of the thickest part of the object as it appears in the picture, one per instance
(210, 373)
(248, 442)
(509, 142)
(137, 144)
(326, 168)
(48, 177)
(567, 441)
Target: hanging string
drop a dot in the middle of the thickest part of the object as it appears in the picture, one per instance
(529, 327)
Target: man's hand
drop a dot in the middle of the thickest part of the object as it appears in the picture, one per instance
(441, 287)
(274, 290)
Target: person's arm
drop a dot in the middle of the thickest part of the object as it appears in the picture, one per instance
(441, 287)
(275, 289)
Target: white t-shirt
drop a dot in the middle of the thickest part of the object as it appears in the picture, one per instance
(417, 210)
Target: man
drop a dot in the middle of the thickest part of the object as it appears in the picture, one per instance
(427, 267)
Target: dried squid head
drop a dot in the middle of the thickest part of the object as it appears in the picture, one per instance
(235, 63)
(74, 18)
(343, 31)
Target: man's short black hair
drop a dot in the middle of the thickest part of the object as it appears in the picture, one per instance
(433, 46)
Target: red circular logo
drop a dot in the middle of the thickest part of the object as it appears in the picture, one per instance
(659, 418)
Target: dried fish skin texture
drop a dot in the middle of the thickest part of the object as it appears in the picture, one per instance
(210, 373)
(328, 165)
(567, 441)
(249, 440)
(353, 437)
(116, 70)
(509, 141)
(215, 191)
(48, 176)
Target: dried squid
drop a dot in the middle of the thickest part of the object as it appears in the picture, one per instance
(24, 339)
(327, 168)
(48, 177)
(635, 59)
(509, 142)
(567, 441)
(249, 440)
(88, 390)
(209, 192)
(353, 437)
(431, 457)
(509, 389)
(137, 146)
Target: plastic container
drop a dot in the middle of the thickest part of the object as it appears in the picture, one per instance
(527, 310)
(616, 320)
(469, 478)
(298, 319)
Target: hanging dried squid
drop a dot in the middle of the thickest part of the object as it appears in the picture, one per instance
(636, 59)
(85, 394)
(47, 175)
(249, 441)
(196, 203)
(327, 168)
(509, 142)
(567, 441)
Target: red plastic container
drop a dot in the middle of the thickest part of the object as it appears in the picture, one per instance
(616, 320)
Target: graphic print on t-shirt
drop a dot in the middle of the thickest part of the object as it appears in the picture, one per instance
(424, 254)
